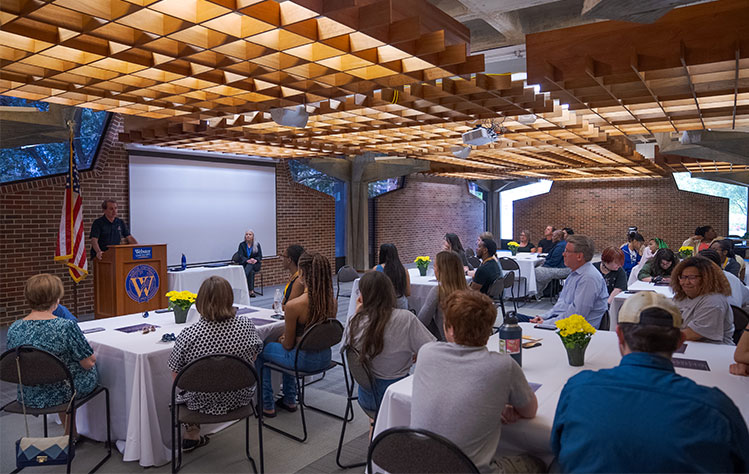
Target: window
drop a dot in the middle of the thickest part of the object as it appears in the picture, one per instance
(46, 159)
(324, 183)
(736, 194)
(383, 186)
(474, 189)
(507, 198)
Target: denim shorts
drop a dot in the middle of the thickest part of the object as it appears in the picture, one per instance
(371, 401)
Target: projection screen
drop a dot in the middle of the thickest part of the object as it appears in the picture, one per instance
(201, 208)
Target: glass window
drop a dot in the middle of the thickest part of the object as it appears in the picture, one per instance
(45, 159)
(507, 198)
(474, 189)
(737, 196)
(312, 178)
(383, 186)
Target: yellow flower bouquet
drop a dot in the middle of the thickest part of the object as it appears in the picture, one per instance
(513, 246)
(182, 299)
(686, 251)
(575, 332)
(422, 263)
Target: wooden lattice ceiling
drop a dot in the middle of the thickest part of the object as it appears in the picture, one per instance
(389, 76)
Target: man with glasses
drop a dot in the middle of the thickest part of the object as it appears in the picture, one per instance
(584, 291)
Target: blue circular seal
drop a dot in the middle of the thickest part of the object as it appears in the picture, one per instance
(142, 283)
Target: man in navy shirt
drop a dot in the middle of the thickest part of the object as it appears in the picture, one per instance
(108, 230)
(554, 266)
(641, 416)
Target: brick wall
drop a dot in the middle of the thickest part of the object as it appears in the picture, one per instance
(603, 210)
(30, 214)
(416, 217)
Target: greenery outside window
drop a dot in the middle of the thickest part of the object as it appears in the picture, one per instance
(383, 186)
(47, 159)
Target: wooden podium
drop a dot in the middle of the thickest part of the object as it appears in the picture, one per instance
(130, 279)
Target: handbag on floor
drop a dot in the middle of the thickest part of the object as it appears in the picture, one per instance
(42, 451)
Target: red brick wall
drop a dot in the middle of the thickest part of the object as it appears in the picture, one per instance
(603, 210)
(416, 217)
(30, 213)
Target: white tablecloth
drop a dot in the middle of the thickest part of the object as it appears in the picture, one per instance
(191, 279)
(548, 366)
(134, 368)
(527, 263)
(420, 288)
(635, 287)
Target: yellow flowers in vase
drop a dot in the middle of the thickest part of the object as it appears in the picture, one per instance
(686, 251)
(180, 302)
(575, 332)
(422, 263)
(513, 246)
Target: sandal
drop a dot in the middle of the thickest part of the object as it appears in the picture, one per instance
(193, 444)
(281, 404)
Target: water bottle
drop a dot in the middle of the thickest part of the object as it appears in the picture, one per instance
(511, 338)
(184, 262)
(278, 301)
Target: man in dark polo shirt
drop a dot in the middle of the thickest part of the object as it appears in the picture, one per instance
(108, 230)
(489, 269)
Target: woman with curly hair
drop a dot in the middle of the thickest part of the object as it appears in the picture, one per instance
(314, 306)
(701, 292)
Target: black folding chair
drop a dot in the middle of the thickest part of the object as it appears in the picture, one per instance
(39, 367)
(510, 265)
(497, 289)
(321, 336)
(212, 374)
(409, 450)
(605, 322)
(346, 274)
(740, 320)
(474, 261)
(354, 371)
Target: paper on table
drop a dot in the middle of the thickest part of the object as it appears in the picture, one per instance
(681, 349)
(261, 322)
(690, 364)
(241, 311)
(136, 327)
(534, 386)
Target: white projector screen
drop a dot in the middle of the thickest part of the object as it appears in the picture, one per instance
(201, 208)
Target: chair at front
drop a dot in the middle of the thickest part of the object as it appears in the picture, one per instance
(211, 374)
(39, 367)
(497, 289)
(409, 450)
(509, 264)
(346, 274)
(354, 366)
(321, 336)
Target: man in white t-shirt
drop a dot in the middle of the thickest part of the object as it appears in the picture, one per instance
(464, 392)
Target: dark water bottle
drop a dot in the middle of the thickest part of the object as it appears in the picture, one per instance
(511, 338)
(184, 262)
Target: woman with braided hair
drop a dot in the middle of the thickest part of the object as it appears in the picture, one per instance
(316, 304)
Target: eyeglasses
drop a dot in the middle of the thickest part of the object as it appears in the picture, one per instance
(689, 278)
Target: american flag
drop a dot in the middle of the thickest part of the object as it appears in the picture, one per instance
(71, 248)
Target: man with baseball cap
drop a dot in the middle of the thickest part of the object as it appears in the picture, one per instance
(641, 416)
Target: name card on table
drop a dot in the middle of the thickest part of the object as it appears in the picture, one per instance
(142, 253)
(690, 364)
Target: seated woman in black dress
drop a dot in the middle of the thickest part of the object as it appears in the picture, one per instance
(525, 242)
(250, 255)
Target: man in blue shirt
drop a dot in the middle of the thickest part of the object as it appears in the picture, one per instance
(584, 292)
(641, 416)
(554, 266)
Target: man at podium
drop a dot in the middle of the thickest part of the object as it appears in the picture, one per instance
(108, 230)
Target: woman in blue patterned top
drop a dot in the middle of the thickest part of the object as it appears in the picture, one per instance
(61, 337)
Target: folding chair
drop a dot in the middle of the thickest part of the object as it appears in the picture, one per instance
(345, 274)
(409, 450)
(359, 373)
(212, 374)
(39, 367)
(509, 264)
(321, 336)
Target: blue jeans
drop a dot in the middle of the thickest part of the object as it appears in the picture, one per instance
(274, 352)
(371, 401)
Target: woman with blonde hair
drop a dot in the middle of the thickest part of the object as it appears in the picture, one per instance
(60, 337)
(218, 331)
(701, 292)
(448, 270)
(315, 305)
